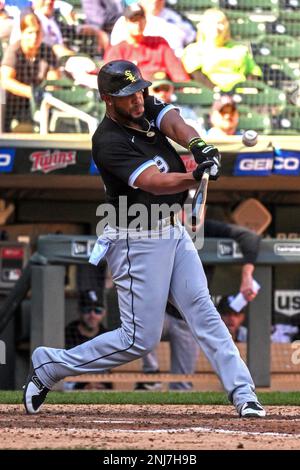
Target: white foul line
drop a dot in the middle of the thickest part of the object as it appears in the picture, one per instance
(207, 430)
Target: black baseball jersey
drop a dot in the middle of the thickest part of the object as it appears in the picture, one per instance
(122, 153)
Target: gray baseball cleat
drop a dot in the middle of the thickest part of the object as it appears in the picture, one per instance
(252, 409)
(34, 393)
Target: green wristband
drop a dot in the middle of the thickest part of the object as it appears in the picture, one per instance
(196, 140)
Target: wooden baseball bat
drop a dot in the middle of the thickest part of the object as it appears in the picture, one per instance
(199, 200)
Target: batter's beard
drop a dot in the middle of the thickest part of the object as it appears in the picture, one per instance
(126, 116)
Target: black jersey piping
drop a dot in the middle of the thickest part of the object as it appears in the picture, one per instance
(133, 321)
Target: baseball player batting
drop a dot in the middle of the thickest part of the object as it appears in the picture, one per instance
(156, 261)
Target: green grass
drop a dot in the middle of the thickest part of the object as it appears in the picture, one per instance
(148, 398)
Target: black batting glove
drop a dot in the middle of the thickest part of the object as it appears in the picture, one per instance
(198, 172)
(202, 151)
(206, 153)
(214, 166)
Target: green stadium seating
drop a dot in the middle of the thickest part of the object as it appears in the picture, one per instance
(282, 46)
(193, 94)
(276, 72)
(250, 5)
(287, 122)
(245, 29)
(292, 28)
(60, 83)
(81, 98)
(289, 15)
(257, 93)
(253, 120)
(193, 5)
(290, 20)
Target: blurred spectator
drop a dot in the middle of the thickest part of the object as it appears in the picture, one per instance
(215, 59)
(77, 35)
(24, 66)
(66, 10)
(89, 325)
(52, 36)
(224, 117)
(233, 320)
(79, 68)
(164, 90)
(149, 53)
(282, 333)
(60, 24)
(155, 26)
(102, 14)
(158, 8)
(6, 23)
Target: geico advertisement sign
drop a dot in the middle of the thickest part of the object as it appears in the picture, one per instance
(263, 166)
(287, 302)
(7, 157)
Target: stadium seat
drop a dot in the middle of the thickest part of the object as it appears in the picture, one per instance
(193, 5)
(193, 94)
(276, 72)
(288, 121)
(290, 5)
(282, 46)
(81, 98)
(257, 93)
(244, 28)
(250, 5)
(253, 120)
(60, 83)
(290, 21)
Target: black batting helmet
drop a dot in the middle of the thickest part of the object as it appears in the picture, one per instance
(120, 78)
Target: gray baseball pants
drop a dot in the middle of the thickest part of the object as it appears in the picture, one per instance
(146, 271)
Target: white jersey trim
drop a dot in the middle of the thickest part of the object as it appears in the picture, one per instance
(163, 112)
(138, 171)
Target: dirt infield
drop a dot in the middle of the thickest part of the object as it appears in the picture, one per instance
(147, 427)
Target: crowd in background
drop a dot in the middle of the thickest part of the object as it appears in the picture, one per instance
(46, 40)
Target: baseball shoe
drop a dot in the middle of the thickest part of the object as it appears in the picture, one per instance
(34, 393)
(252, 409)
(150, 386)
